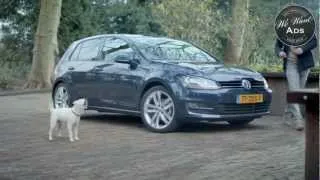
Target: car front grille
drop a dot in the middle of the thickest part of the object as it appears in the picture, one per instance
(243, 108)
(238, 84)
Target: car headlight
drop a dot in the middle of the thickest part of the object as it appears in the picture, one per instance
(199, 83)
(266, 86)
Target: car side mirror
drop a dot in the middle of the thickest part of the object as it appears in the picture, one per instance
(127, 59)
(123, 58)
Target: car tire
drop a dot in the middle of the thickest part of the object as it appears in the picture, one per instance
(64, 99)
(240, 122)
(159, 117)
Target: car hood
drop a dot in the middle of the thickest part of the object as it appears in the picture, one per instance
(220, 72)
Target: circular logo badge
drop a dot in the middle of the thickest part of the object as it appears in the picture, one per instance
(295, 25)
(246, 84)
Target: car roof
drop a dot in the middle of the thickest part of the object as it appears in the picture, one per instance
(131, 37)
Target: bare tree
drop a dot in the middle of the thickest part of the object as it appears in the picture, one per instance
(45, 44)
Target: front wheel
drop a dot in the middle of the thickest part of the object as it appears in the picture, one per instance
(61, 96)
(158, 110)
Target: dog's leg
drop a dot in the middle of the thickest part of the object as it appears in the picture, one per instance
(59, 125)
(69, 124)
(53, 122)
(76, 130)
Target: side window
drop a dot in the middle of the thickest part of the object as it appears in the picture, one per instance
(113, 47)
(89, 50)
(75, 54)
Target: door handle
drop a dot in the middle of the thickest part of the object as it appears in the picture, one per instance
(70, 68)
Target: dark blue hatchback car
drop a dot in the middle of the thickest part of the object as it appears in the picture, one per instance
(165, 81)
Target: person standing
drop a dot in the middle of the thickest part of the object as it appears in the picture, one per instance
(297, 62)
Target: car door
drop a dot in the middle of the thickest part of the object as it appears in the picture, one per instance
(119, 81)
(82, 62)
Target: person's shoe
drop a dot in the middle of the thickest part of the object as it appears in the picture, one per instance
(299, 125)
(288, 123)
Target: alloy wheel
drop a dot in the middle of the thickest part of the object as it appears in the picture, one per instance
(61, 97)
(158, 109)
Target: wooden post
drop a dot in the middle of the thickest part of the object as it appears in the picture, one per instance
(312, 142)
(309, 97)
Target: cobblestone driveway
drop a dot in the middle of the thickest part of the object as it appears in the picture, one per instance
(113, 147)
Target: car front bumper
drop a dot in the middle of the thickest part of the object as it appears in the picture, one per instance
(221, 104)
(227, 117)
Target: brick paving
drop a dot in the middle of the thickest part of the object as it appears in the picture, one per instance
(118, 147)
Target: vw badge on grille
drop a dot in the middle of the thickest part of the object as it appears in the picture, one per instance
(246, 84)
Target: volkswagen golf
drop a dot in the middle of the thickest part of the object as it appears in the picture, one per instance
(167, 82)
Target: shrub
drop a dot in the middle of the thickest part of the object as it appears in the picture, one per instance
(12, 75)
(315, 70)
(266, 68)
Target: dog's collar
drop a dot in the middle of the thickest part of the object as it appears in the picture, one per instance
(75, 113)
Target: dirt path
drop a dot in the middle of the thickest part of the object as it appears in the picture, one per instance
(113, 147)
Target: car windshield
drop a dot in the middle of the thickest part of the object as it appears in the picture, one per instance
(163, 49)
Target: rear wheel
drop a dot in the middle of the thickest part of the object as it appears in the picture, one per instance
(61, 96)
(240, 122)
(158, 110)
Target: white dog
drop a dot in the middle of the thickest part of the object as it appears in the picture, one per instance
(69, 115)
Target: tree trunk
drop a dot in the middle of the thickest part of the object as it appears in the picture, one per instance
(45, 44)
(236, 40)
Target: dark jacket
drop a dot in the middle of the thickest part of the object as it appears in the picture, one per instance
(305, 60)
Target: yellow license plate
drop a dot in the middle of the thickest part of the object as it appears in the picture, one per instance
(250, 98)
